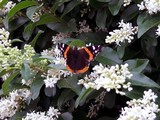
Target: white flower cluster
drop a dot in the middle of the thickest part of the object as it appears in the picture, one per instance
(83, 27)
(152, 6)
(141, 109)
(53, 75)
(4, 37)
(126, 2)
(12, 56)
(125, 32)
(11, 104)
(86, 1)
(59, 37)
(158, 31)
(108, 78)
(6, 8)
(51, 114)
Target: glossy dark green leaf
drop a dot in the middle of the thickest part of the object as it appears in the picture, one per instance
(97, 4)
(45, 19)
(130, 12)
(108, 56)
(136, 93)
(64, 26)
(50, 92)
(109, 100)
(31, 11)
(67, 116)
(16, 40)
(3, 2)
(137, 65)
(70, 6)
(104, 0)
(101, 18)
(20, 6)
(16, 23)
(36, 86)
(57, 4)
(148, 24)
(66, 95)
(26, 72)
(139, 79)
(6, 84)
(17, 8)
(114, 6)
(83, 96)
(33, 42)
(77, 42)
(71, 83)
(121, 49)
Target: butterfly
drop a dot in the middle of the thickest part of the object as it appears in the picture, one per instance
(78, 59)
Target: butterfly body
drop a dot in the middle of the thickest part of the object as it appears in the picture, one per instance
(78, 60)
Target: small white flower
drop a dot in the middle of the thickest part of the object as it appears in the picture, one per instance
(126, 2)
(59, 37)
(125, 32)
(51, 114)
(110, 78)
(86, 1)
(141, 109)
(11, 104)
(152, 6)
(84, 27)
(158, 31)
(6, 8)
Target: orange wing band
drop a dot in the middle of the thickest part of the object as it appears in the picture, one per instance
(89, 53)
(69, 69)
(82, 70)
(66, 51)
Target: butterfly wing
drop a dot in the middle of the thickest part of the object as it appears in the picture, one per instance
(77, 61)
(93, 51)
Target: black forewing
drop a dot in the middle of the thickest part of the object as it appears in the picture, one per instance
(95, 50)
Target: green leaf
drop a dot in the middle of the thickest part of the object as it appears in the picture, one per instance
(139, 79)
(50, 92)
(101, 18)
(104, 0)
(114, 6)
(3, 3)
(109, 99)
(64, 26)
(6, 84)
(66, 95)
(33, 42)
(36, 86)
(77, 42)
(70, 7)
(20, 6)
(83, 96)
(130, 12)
(26, 72)
(45, 19)
(136, 93)
(108, 56)
(121, 49)
(16, 40)
(31, 11)
(71, 83)
(148, 24)
(16, 8)
(137, 65)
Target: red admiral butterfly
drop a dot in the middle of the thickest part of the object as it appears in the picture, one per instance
(78, 60)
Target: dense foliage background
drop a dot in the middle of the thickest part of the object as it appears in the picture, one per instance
(44, 23)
